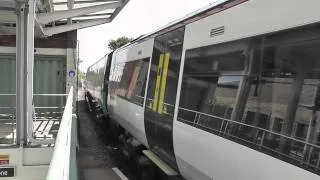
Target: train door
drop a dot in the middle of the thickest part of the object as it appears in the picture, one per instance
(106, 83)
(161, 93)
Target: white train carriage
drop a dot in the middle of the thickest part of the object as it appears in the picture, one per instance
(229, 92)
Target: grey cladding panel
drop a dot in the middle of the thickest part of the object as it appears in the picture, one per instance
(49, 78)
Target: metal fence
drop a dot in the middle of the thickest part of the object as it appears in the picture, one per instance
(300, 152)
(7, 121)
(42, 129)
(63, 164)
(47, 119)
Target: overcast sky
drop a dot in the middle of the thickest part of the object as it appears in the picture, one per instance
(137, 18)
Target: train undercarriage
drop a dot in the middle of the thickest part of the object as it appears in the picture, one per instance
(142, 167)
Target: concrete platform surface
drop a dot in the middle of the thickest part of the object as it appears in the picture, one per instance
(97, 153)
(100, 174)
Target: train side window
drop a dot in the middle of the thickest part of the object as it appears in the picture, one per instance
(202, 60)
(131, 80)
(282, 99)
(107, 69)
(278, 112)
(164, 73)
(208, 93)
(138, 91)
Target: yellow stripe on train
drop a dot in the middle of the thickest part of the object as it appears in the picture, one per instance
(163, 82)
(157, 89)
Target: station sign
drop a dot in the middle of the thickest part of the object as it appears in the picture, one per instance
(7, 171)
(72, 73)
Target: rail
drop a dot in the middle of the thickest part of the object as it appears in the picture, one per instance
(63, 163)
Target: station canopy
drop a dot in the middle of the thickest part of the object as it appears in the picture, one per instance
(57, 16)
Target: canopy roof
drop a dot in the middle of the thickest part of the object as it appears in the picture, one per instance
(57, 16)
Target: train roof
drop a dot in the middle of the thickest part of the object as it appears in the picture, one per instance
(101, 59)
(209, 10)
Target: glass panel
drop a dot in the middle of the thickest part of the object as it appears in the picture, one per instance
(129, 80)
(161, 95)
(208, 97)
(283, 98)
(278, 108)
(205, 60)
(7, 100)
(138, 90)
(167, 47)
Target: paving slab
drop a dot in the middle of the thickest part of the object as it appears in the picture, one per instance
(100, 174)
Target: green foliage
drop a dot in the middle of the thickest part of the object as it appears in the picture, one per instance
(116, 43)
(81, 75)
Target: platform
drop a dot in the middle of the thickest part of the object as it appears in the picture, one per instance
(98, 157)
(38, 141)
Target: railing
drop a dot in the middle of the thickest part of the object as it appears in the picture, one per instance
(47, 119)
(291, 149)
(7, 123)
(63, 164)
(45, 124)
(298, 151)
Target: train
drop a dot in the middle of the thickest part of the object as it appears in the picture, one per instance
(231, 91)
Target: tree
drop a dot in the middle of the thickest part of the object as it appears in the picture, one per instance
(115, 44)
(81, 75)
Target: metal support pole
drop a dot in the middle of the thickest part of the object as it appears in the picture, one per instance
(70, 6)
(20, 72)
(29, 54)
(24, 70)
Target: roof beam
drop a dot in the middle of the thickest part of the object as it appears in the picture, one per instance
(118, 10)
(40, 6)
(11, 30)
(70, 6)
(45, 18)
(2, 8)
(38, 29)
(84, 2)
(96, 15)
(69, 27)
